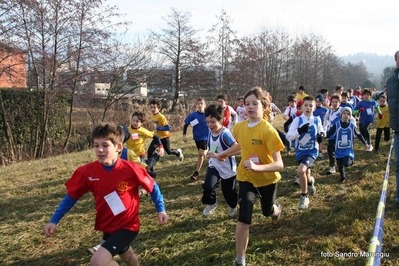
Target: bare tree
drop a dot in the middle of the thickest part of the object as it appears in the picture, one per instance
(63, 38)
(222, 42)
(177, 42)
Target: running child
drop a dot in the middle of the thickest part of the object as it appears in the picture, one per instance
(258, 171)
(320, 112)
(219, 139)
(137, 135)
(114, 184)
(382, 122)
(162, 130)
(307, 131)
(200, 133)
(332, 116)
(230, 116)
(367, 108)
(343, 132)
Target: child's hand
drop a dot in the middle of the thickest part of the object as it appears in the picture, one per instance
(361, 110)
(211, 155)
(366, 146)
(380, 116)
(250, 165)
(49, 229)
(184, 138)
(161, 152)
(303, 129)
(221, 157)
(162, 218)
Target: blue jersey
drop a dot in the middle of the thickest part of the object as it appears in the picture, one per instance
(306, 144)
(332, 117)
(346, 105)
(198, 122)
(321, 112)
(344, 138)
(367, 116)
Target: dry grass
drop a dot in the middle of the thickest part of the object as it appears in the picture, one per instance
(340, 217)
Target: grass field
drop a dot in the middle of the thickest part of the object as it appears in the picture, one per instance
(340, 217)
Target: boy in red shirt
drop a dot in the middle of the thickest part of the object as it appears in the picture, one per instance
(114, 184)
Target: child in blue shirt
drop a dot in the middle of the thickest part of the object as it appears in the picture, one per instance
(307, 130)
(320, 112)
(332, 116)
(200, 133)
(345, 101)
(367, 107)
(343, 132)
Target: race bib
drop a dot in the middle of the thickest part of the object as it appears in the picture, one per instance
(115, 203)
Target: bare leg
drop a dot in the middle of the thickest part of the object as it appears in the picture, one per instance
(242, 238)
(201, 157)
(303, 179)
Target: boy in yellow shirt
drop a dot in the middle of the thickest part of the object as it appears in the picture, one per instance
(162, 130)
(382, 122)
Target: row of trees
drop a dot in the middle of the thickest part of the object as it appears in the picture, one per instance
(79, 35)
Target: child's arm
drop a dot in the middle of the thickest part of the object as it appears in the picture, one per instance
(160, 145)
(287, 124)
(275, 166)
(222, 156)
(185, 132)
(65, 205)
(295, 130)
(157, 198)
(331, 131)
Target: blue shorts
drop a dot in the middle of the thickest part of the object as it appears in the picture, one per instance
(307, 160)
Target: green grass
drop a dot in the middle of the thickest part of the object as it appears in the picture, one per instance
(340, 217)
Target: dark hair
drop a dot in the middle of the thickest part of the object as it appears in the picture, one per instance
(291, 98)
(200, 99)
(349, 90)
(336, 96)
(396, 55)
(322, 91)
(301, 88)
(366, 91)
(140, 116)
(308, 98)
(156, 102)
(222, 96)
(344, 94)
(108, 131)
(215, 111)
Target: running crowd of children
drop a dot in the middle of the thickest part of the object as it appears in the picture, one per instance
(220, 133)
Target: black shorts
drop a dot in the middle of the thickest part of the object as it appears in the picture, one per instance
(248, 193)
(201, 144)
(119, 242)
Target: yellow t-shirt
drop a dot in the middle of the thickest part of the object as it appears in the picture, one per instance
(301, 96)
(262, 141)
(381, 123)
(160, 120)
(132, 157)
(137, 139)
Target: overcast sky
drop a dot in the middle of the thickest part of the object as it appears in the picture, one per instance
(350, 26)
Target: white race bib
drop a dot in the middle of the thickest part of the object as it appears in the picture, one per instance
(115, 203)
(194, 122)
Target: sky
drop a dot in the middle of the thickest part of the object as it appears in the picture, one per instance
(350, 26)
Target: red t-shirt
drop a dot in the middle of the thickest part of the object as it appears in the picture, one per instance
(124, 179)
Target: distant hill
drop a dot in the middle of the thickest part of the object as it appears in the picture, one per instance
(374, 63)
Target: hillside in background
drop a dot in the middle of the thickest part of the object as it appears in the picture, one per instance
(374, 63)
